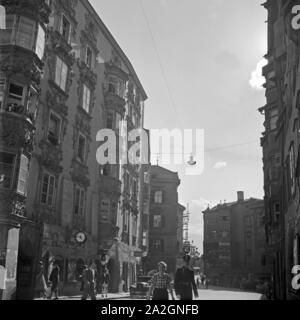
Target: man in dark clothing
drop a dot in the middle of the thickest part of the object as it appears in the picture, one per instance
(54, 279)
(89, 278)
(184, 283)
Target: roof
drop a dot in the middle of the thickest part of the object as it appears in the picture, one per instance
(231, 204)
(115, 44)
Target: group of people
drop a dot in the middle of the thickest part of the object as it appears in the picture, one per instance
(184, 283)
(91, 282)
(42, 288)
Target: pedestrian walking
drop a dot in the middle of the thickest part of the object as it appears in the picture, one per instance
(41, 288)
(54, 279)
(89, 277)
(206, 283)
(104, 283)
(185, 281)
(160, 284)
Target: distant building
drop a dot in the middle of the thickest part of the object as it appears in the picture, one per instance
(234, 241)
(165, 241)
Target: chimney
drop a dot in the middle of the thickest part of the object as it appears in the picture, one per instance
(240, 196)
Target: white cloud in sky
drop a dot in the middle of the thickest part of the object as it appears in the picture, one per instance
(220, 165)
(257, 80)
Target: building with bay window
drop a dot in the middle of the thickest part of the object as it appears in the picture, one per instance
(63, 78)
(281, 152)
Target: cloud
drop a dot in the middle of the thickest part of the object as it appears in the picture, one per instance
(220, 165)
(257, 80)
(228, 60)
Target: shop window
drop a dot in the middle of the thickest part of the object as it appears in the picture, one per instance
(23, 175)
(61, 73)
(48, 189)
(7, 163)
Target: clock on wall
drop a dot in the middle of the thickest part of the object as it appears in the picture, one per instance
(80, 237)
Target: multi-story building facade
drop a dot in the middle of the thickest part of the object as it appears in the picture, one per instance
(164, 239)
(280, 143)
(64, 78)
(234, 241)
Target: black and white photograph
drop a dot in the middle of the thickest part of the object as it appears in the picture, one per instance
(149, 151)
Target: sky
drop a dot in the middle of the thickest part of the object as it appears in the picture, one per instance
(200, 63)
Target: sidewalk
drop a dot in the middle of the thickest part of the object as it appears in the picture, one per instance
(111, 296)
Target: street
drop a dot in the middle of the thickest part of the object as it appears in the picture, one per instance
(210, 294)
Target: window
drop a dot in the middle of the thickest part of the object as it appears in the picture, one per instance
(116, 86)
(292, 168)
(79, 202)
(118, 121)
(2, 91)
(158, 197)
(157, 245)
(2, 17)
(134, 188)
(273, 116)
(40, 43)
(61, 73)
(89, 57)
(86, 99)
(15, 94)
(7, 22)
(81, 147)
(7, 163)
(23, 175)
(26, 33)
(54, 129)
(65, 28)
(157, 221)
(110, 121)
(125, 222)
(48, 189)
